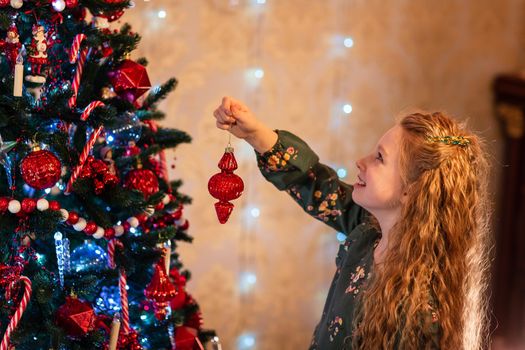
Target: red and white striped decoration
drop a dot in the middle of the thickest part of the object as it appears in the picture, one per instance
(122, 283)
(19, 311)
(89, 145)
(80, 60)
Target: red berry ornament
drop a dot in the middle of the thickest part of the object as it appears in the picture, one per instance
(225, 186)
(41, 169)
(143, 180)
(71, 3)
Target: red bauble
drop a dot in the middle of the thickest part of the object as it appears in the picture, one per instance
(225, 186)
(143, 180)
(41, 169)
(76, 317)
(130, 80)
(186, 339)
(72, 218)
(71, 3)
(160, 290)
(4, 3)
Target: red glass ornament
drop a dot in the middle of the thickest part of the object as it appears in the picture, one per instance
(76, 317)
(4, 3)
(28, 205)
(143, 180)
(41, 169)
(130, 80)
(186, 339)
(160, 290)
(225, 186)
(71, 3)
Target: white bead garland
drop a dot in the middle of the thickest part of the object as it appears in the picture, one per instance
(14, 206)
(42, 204)
(99, 233)
(80, 225)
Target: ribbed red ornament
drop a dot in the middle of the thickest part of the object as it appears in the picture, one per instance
(160, 290)
(225, 186)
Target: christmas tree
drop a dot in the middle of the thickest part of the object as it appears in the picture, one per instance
(89, 221)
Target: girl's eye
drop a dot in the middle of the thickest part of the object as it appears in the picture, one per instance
(379, 156)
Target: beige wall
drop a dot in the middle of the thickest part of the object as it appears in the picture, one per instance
(429, 54)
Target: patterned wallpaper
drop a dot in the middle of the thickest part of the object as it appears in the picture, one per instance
(406, 53)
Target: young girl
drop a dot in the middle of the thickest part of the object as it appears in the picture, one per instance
(412, 273)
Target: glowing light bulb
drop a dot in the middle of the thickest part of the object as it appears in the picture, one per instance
(255, 212)
(347, 108)
(162, 14)
(258, 73)
(348, 42)
(341, 237)
(341, 172)
(246, 341)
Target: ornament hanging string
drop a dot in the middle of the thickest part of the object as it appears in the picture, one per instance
(89, 144)
(80, 59)
(122, 282)
(19, 311)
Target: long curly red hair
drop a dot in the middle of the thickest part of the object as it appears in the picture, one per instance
(440, 248)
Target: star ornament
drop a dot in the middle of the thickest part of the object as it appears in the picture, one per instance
(130, 80)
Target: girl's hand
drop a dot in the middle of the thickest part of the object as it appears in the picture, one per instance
(234, 116)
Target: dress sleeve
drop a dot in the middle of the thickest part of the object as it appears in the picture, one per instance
(292, 166)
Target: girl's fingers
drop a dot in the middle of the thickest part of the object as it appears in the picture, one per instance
(226, 105)
(222, 126)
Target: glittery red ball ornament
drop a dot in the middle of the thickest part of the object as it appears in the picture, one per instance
(109, 233)
(4, 3)
(225, 186)
(160, 290)
(41, 169)
(54, 205)
(71, 3)
(76, 317)
(143, 180)
(130, 80)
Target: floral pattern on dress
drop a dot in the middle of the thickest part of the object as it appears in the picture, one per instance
(277, 160)
(334, 327)
(355, 279)
(324, 207)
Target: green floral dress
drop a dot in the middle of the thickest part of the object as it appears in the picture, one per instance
(292, 166)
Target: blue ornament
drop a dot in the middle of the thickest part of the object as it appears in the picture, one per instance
(129, 129)
(88, 257)
(108, 301)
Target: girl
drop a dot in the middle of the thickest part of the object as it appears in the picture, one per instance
(412, 273)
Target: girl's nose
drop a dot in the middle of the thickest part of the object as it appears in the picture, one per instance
(360, 164)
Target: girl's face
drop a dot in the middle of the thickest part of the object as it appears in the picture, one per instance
(379, 186)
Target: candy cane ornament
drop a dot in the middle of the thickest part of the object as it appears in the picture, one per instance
(89, 144)
(80, 60)
(122, 283)
(19, 311)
